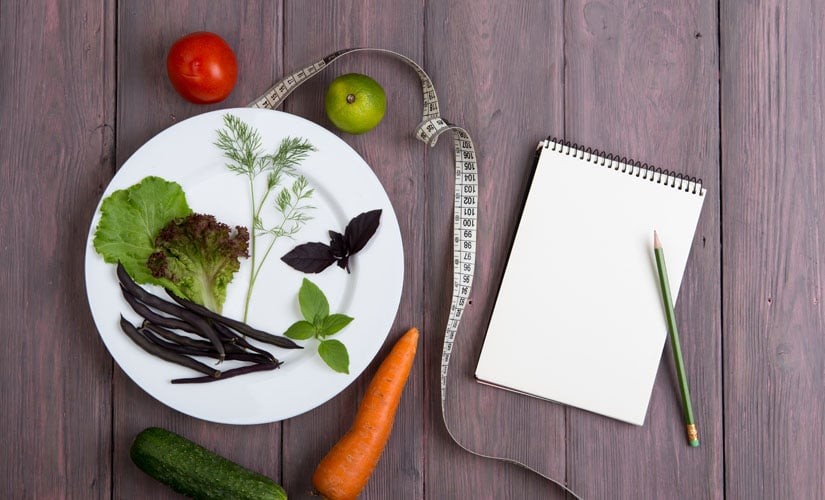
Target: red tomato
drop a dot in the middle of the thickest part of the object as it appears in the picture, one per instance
(202, 67)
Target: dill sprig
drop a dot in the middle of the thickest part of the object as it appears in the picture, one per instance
(292, 204)
(241, 145)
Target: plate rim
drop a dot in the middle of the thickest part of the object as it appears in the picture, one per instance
(90, 253)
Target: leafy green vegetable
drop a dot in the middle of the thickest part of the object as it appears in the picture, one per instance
(301, 330)
(131, 218)
(313, 302)
(334, 323)
(334, 354)
(241, 145)
(319, 323)
(200, 256)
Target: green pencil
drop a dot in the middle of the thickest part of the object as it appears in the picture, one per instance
(690, 423)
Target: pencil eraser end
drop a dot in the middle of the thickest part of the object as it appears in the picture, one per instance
(694, 443)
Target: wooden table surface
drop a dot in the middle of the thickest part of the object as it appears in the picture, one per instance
(730, 92)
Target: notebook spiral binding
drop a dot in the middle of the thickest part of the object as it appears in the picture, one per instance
(624, 165)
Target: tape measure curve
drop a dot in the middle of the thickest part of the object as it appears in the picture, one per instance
(465, 214)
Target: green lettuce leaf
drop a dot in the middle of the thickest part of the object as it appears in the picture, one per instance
(131, 218)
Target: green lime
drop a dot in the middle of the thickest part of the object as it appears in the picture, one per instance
(355, 103)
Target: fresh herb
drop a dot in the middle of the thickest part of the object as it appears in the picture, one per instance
(316, 256)
(131, 218)
(200, 256)
(241, 145)
(320, 324)
(334, 354)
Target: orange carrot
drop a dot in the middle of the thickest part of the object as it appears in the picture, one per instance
(344, 472)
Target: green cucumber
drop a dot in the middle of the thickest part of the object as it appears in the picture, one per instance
(192, 470)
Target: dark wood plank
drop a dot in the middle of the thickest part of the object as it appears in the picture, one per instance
(498, 67)
(773, 85)
(57, 110)
(397, 158)
(147, 104)
(641, 81)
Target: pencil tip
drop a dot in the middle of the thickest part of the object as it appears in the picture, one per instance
(656, 242)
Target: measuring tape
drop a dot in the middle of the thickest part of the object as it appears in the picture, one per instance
(465, 213)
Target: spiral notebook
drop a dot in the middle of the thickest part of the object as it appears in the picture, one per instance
(579, 318)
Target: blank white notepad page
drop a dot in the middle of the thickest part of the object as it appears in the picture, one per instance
(579, 317)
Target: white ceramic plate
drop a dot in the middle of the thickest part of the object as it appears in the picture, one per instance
(344, 187)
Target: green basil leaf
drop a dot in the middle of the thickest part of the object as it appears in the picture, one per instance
(313, 302)
(334, 354)
(300, 330)
(334, 323)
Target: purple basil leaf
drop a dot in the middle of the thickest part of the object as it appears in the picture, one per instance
(360, 229)
(343, 263)
(337, 245)
(309, 257)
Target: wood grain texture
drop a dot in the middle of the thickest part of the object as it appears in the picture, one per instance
(147, 104)
(314, 30)
(83, 85)
(56, 154)
(773, 86)
(498, 68)
(641, 81)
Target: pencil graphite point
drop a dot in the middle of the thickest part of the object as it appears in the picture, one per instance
(656, 242)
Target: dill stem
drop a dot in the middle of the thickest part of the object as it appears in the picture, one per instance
(263, 200)
(252, 273)
(277, 233)
(258, 270)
